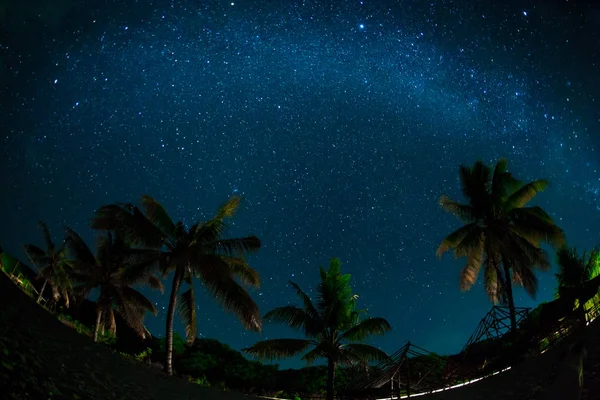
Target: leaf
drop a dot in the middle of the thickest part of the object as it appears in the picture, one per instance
(47, 237)
(367, 327)
(240, 268)
(237, 247)
(218, 280)
(474, 252)
(524, 195)
(78, 248)
(454, 240)
(362, 353)
(157, 214)
(464, 212)
(277, 348)
(187, 309)
(295, 318)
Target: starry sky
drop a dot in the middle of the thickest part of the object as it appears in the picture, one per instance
(340, 123)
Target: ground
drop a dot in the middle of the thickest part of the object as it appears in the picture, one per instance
(549, 376)
(40, 358)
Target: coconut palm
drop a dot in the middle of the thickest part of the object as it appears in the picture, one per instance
(113, 270)
(500, 232)
(53, 266)
(332, 327)
(200, 251)
(575, 275)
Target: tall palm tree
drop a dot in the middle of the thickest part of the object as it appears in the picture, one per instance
(500, 232)
(575, 275)
(332, 327)
(52, 264)
(113, 270)
(198, 251)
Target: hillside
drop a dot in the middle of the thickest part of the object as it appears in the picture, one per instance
(42, 358)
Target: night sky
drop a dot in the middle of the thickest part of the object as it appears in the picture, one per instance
(341, 124)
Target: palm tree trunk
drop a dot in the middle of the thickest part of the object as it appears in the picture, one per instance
(511, 302)
(170, 317)
(97, 326)
(330, 379)
(42, 291)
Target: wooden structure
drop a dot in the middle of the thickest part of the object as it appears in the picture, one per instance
(409, 370)
(495, 324)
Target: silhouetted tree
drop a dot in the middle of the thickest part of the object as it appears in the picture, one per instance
(500, 233)
(574, 272)
(332, 327)
(113, 270)
(53, 266)
(200, 251)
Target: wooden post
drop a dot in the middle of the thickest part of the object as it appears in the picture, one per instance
(407, 372)
(407, 378)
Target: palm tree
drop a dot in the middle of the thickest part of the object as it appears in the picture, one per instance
(575, 276)
(332, 327)
(500, 232)
(200, 251)
(53, 266)
(113, 270)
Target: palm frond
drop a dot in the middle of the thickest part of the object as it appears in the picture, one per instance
(493, 280)
(237, 247)
(520, 251)
(186, 306)
(157, 214)
(153, 282)
(464, 212)
(498, 190)
(273, 349)
(524, 195)
(208, 233)
(353, 353)
(533, 224)
(131, 223)
(525, 277)
(475, 184)
(133, 317)
(453, 240)
(295, 318)
(592, 266)
(140, 272)
(240, 268)
(367, 327)
(220, 283)
(137, 300)
(314, 354)
(112, 217)
(475, 253)
(78, 248)
(104, 249)
(307, 304)
(47, 238)
(228, 209)
(503, 183)
(131, 305)
(36, 255)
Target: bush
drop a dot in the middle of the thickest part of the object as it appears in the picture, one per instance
(202, 381)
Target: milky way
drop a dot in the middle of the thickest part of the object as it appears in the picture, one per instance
(340, 125)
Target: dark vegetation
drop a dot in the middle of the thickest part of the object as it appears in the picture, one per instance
(139, 245)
